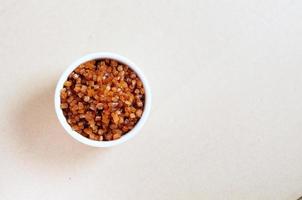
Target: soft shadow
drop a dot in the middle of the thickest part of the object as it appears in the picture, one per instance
(42, 139)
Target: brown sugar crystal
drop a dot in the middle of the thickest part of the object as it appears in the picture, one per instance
(102, 99)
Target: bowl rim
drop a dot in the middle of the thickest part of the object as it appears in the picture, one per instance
(93, 56)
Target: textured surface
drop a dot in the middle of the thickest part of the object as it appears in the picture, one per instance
(226, 121)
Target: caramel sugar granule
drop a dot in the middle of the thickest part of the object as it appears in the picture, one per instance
(102, 99)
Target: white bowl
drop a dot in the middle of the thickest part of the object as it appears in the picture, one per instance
(79, 137)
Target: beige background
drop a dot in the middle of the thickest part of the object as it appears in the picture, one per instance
(226, 119)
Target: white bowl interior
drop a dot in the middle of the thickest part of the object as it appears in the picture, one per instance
(79, 137)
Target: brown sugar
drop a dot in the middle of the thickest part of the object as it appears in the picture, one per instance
(102, 99)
